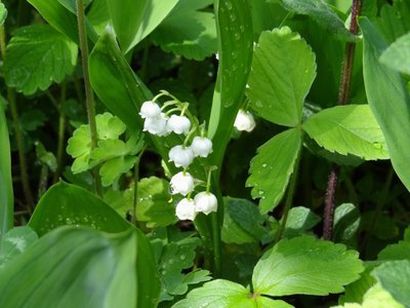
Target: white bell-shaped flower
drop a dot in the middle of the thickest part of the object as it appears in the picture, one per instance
(244, 121)
(201, 146)
(185, 209)
(181, 156)
(150, 109)
(179, 124)
(182, 183)
(206, 202)
(156, 125)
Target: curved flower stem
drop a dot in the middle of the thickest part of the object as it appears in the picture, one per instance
(289, 199)
(11, 98)
(89, 94)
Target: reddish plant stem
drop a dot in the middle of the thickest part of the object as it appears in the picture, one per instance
(344, 94)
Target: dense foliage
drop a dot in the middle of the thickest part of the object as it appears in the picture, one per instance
(205, 153)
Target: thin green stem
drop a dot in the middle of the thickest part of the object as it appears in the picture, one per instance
(289, 199)
(89, 94)
(18, 132)
(136, 180)
(216, 221)
(61, 133)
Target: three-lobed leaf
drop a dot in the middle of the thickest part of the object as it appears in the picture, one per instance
(271, 168)
(350, 129)
(37, 56)
(305, 265)
(283, 70)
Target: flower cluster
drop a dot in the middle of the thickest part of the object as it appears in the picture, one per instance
(160, 123)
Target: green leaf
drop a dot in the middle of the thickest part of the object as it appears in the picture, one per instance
(393, 20)
(46, 158)
(109, 128)
(383, 85)
(227, 294)
(346, 222)
(322, 13)
(242, 222)
(126, 25)
(283, 70)
(57, 16)
(399, 251)
(394, 277)
(195, 38)
(155, 12)
(37, 56)
(6, 183)
(111, 170)
(98, 15)
(397, 56)
(300, 219)
(235, 35)
(272, 167)
(72, 6)
(350, 129)
(305, 265)
(3, 14)
(153, 203)
(15, 242)
(66, 204)
(79, 267)
(176, 257)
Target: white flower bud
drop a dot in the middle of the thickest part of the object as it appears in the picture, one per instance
(156, 125)
(150, 109)
(185, 209)
(206, 203)
(181, 156)
(179, 124)
(182, 183)
(201, 146)
(244, 121)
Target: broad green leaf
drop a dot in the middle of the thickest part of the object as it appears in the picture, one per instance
(322, 13)
(375, 297)
(80, 267)
(57, 16)
(3, 14)
(66, 204)
(188, 5)
(242, 222)
(272, 167)
(195, 38)
(397, 56)
(126, 25)
(153, 206)
(227, 294)
(394, 277)
(37, 56)
(71, 5)
(111, 170)
(305, 265)
(98, 15)
(300, 219)
(155, 12)
(346, 222)
(235, 36)
(283, 70)
(350, 129)
(384, 85)
(399, 251)
(15, 242)
(6, 183)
